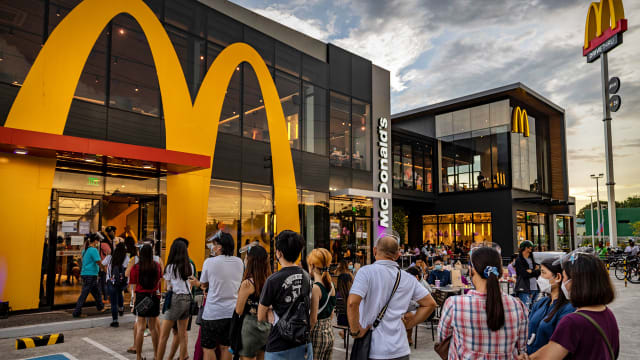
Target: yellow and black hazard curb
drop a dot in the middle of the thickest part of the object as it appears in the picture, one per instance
(44, 340)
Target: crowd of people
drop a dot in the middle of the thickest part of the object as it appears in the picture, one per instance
(558, 309)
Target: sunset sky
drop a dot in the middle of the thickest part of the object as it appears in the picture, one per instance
(438, 50)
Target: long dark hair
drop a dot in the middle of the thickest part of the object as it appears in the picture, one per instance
(562, 300)
(130, 243)
(118, 256)
(90, 239)
(344, 285)
(258, 267)
(179, 258)
(148, 274)
(481, 259)
(590, 282)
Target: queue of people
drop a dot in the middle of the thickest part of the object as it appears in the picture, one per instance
(254, 314)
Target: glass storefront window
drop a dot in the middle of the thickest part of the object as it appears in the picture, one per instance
(192, 54)
(482, 159)
(255, 117)
(446, 229)
(418, 167)
(360, 125)
(448, 175)
(316, 219)
(407, 167)
(134, 83)
(114, 185)
(314, 115)
(430, 229)
(460, 229)
(340, 131)
(464, 161)
(428, 168)
(499, 156)
(524, 159)
(257, 212)
(289, 92)
(223, 211)
(93, 183)
(350, 230)
(397, 166)
(230, 115)
(532, 226)
(20, 43)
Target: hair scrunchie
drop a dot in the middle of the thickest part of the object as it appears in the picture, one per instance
(491, 270)
(323, 270)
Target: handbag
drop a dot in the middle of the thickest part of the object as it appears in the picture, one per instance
(604, 336)
(362, 346)
(442, 348)
(201, 311)
(193, 305)
(144, 305)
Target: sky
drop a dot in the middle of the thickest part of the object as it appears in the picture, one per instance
(439, 50)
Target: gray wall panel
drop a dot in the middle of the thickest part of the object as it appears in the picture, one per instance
(86, 120)
(131, 128)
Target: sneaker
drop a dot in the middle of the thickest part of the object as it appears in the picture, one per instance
(147, 332)
(114, 324)
(121, 311)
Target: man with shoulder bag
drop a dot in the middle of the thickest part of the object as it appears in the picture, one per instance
(378, 299)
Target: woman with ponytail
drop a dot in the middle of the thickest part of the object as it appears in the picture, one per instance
(484, 323)
(323, 301)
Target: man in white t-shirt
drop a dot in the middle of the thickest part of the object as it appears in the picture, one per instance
(371, 290)
(222, 275)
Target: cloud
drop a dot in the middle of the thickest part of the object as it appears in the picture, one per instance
(311, 27)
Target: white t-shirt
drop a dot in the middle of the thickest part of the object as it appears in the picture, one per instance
(224, 275)
(107, 262)
(374, 284)
(178, 285)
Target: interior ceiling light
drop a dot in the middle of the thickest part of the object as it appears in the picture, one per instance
(121, 31)
(90, 158)
(147, 166)
(20, 151)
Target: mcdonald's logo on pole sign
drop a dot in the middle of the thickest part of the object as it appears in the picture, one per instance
(604, 27)
(520, 121)
(41, 108)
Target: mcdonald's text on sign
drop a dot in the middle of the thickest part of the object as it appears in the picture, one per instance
(603, 29)
(383, 187)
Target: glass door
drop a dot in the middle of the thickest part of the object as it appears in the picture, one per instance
(363, 240)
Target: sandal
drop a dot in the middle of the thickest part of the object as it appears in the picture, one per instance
(131, 350)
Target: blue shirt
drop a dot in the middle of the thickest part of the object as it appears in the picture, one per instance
(89, 262)
(542, 329)
(443, 275)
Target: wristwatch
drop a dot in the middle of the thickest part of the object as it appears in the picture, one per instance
(354, 334)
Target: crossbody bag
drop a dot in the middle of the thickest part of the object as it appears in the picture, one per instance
(362, 346)
(604, 336)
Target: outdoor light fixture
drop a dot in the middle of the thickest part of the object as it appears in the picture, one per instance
(20, 152)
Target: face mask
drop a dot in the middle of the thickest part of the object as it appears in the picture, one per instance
(351, 267)
(544, 285)
(438, 267)
(565, 291)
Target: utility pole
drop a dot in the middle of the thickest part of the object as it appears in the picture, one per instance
(593, 238)
(593, 176)
(608, 150)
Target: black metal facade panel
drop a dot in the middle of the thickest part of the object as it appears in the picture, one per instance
(361, 179)
(423, 125)
(339, 69)
(131, 128)
(223, 29)
(227, 159)
(315, 172)
(253, 162)
(288, 59)
(86, 120)
(361, 78)
(339, 177)
(7, 94)
(315, 71)
(296, 156)
(263, 44)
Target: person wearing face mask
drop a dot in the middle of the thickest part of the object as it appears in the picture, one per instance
(439, 273)
(528, 271)
(547, 312)
(222, 275)
(591, 332)
(89, 273)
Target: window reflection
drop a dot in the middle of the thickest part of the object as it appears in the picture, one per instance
(255, 117)
(230, 115)
(192, 55)
(223, 212)
(257, 212)
(314, 115)
(289, 92)
(361, 128)
(461, 229)
(340, 131)
(316, 219)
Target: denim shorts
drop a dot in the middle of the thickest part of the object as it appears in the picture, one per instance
(297, 353)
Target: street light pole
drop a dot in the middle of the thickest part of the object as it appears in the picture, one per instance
(593, 239)
(593, 176)
(608, 149)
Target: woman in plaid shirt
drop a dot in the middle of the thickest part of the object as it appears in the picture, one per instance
(484, 324)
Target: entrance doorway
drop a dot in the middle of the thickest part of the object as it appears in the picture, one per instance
(350, 230)
(74, 215)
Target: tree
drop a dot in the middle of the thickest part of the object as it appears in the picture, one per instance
(631, 202)
(635, 228)
(586, 208)
(399, 221)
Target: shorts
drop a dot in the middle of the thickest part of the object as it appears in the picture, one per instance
(215, 332)
(254, 335)
(154, 310)
(180, 307)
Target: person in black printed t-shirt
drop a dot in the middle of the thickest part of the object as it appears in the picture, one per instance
(288, 293)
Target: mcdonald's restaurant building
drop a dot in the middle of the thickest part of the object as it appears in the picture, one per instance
(117, 130)
(490, 166)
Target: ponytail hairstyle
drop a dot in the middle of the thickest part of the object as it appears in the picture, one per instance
(555, 268)
(320, 258)
(488, 265)
(91, 238)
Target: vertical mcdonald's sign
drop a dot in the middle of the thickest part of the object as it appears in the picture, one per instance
(520, 121)
(43, 103)
(604, 27)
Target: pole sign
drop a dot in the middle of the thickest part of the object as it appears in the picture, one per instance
(615, 102)
(614, 85)
(383, 171)
(603, 29)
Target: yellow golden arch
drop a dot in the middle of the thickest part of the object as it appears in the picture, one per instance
(43, 103)
(520, 121)
(600, 16)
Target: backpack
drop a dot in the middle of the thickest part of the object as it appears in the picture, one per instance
(294, 325)
(118, 277)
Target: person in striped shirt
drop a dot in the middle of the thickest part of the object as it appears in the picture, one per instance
(484, 323)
